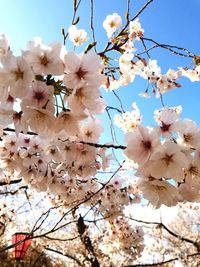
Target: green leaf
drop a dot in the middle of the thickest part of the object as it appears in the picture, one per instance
(57, 89)
(39, 78)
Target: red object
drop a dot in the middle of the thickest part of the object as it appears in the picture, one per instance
(19, 251)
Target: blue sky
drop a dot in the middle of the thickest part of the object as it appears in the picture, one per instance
(166, 21)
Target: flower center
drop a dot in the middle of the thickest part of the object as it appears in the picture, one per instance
(165, 127)
(193, 170)
(81, 73)
(147, 144)
(88, 133)
(112, 24)
(18, 74)
(39, 96)
(168, 159)
(187, 137)
(17, 116)
(44, 60)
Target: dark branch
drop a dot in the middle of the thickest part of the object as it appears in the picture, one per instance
(151, 264)
(65, 255)
(103, 145)
(87, 241)
(11, 182)
(15, 191)
(171, 48)
(196, 244)
(91, 23)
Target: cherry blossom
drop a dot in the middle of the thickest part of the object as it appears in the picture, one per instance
(4, 44)
(129, 121)
(135, 29)
(141, 144)
(158, 192)
(168, 120)
(53, 104)
(168, 161)
(44, 59)
(86, 99)
(112, 23)
(79, 68)
(78, 37)
(189, 134)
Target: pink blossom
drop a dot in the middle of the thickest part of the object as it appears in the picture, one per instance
(141, 144)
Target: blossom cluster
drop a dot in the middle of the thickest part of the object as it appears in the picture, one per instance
(129, 67)
(52, 98)
(119, 191)
(166, 158)
(121, 236)
(43, 77)
(192, 74)
(57, 156)
(130, 64)
(128, 121)
(6, 215)
(35, 81)
(65, 167)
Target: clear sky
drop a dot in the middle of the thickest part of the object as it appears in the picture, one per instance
(166, 21)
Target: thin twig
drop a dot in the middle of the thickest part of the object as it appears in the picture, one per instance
(171, 48)
(170, 232)
(65, 255)
(91, 22)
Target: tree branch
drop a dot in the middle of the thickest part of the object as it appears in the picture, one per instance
(65, 255)
(11, 182)
(151, 264)
(87, 241)
(196, 244)
(15, 191)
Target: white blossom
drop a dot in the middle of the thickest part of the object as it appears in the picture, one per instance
(78, 37)
(79, 68)
(4, 44)
(168, 161)
(112, 23)
(141, 144)
(44, 59)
